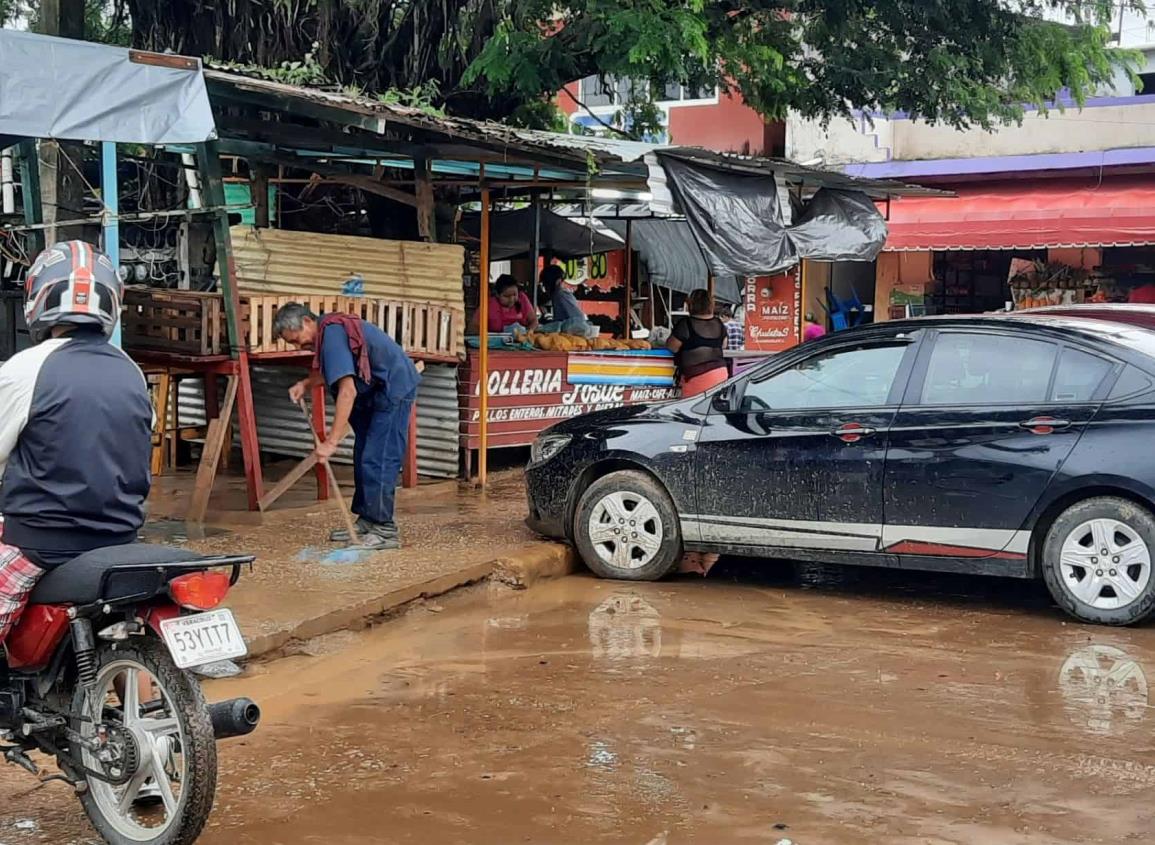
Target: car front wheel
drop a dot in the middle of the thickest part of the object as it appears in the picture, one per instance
(626, 527)
(1097, 561)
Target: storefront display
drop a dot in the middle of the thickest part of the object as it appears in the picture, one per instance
(1037, 284)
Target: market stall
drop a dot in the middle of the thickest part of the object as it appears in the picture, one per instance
(528, 391)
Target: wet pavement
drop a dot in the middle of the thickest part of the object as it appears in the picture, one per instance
(761, 705)
(302, 582)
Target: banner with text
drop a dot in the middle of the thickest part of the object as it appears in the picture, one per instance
(772, 304)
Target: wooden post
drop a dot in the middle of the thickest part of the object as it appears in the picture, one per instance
(62, 189)
(483, 331)
(710, 284)
(409, 468)
(259, 191)
(218, 431)
(213, 189)
(426, 205)
(629, 321)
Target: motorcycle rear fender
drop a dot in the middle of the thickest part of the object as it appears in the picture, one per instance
(43, 630)
(154, 614)
(36, 637)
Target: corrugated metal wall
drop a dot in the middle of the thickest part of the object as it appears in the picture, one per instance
(282, 430)
(283, 262)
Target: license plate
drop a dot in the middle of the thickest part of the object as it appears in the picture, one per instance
(203, 638)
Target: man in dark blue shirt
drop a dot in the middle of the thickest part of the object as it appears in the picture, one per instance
(374, 385)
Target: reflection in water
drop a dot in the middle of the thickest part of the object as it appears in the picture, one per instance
(1103, 689)
(599, 755)
(623, 626)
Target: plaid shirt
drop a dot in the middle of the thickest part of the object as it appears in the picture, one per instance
(18, 576)
(735, 335)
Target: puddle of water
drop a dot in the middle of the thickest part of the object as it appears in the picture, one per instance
(175, 532)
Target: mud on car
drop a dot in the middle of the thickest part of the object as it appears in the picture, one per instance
(1016, 445)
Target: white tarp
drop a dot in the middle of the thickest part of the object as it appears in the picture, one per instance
(74, 90)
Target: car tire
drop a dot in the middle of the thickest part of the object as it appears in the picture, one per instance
(626, 528)
(1113, 589)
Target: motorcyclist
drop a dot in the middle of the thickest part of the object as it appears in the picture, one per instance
(75, 426)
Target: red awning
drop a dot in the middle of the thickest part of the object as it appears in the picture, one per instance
(1117, 211)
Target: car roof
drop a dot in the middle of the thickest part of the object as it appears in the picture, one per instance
(1131, 326)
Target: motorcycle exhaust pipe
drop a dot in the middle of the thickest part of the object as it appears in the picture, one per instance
(235, 717)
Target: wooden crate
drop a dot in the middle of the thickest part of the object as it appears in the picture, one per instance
(424, 330)
(194, 323)
(174, 321)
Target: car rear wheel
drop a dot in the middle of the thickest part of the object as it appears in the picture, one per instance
(1097, 561)
(626, 527)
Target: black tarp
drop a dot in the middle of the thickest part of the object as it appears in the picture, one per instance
(511, 235)
(737, 220)
(672, 259)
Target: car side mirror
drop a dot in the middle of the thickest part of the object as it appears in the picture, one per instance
(726, 400)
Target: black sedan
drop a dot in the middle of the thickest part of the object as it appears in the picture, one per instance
(1020, 445)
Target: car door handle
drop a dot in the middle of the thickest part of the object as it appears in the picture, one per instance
(1044, 425)
(852, 432)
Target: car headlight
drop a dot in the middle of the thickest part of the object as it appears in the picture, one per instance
(546, 446)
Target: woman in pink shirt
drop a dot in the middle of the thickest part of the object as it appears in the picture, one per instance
(812, 330)
(508, 306)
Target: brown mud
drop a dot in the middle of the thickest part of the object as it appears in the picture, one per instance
(763, 704)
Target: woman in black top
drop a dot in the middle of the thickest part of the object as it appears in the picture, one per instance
(697, 343)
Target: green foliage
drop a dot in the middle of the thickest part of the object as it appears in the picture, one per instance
(960, 62)
(105, 21)
(423, 97)
(306, 71)
(538, 114)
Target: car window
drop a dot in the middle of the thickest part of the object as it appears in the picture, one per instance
(1079, 376)
(985, 369)
(858, 377)
(1132, 382)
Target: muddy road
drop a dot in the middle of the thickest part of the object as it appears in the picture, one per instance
(764, 704)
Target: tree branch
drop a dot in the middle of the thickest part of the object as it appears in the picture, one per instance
(629, 136)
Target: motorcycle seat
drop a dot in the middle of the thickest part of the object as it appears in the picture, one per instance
(79, 580)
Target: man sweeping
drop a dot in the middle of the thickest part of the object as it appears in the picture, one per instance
(374, 385)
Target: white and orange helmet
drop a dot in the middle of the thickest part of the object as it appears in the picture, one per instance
(71, 283)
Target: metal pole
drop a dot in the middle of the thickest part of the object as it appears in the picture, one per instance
(110, 197)
(30, 194)
(629, 278)
(710, 284)
(483, 331)
(536, 245)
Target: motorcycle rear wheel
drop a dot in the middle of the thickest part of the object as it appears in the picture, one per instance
(168, 799)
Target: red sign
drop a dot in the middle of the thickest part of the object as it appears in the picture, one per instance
(772, 304)
(529, 392)
(605, 271)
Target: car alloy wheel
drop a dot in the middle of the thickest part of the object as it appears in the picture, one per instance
(1105, 564)
(625, 530)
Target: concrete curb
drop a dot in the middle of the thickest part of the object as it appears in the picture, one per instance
(520, 570)
(544, 560)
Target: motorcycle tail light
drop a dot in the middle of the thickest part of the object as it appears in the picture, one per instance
(199, 590)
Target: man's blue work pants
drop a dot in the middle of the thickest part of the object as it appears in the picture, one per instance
(381, 432)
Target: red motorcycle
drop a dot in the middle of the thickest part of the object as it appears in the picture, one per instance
(97, 677)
